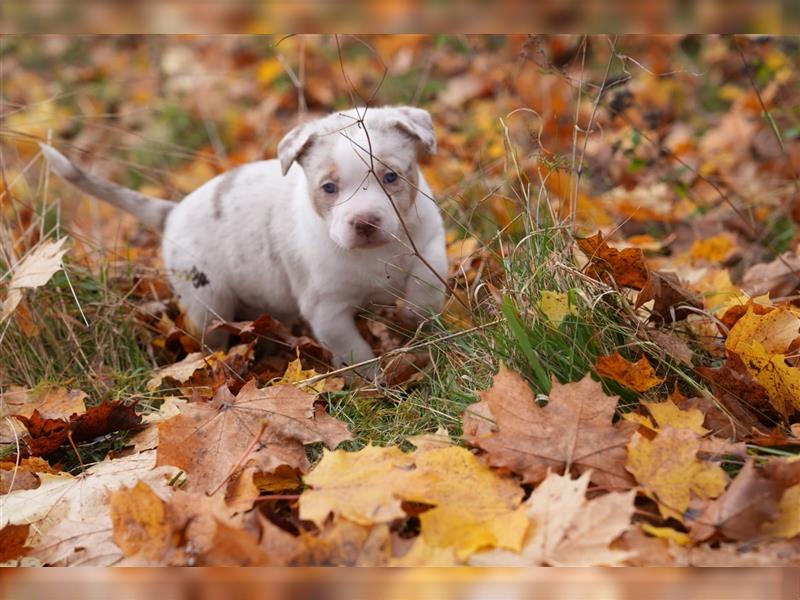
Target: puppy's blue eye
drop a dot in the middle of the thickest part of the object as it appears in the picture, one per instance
(330, 188)
(390, 177)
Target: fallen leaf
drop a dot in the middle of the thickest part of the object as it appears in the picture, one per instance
(787, 524)
(431, 441)
(778, 278)
(180, 371)
(362, 486)
(751, 500)
(637, 376)
(574, 431)
(52, 403)
(269, 426)
(422, 554)
(669, 472)
(45, 436)
(12, 542)
(668, 533)
(71, 514)
(627, 267)
(555, 306)
(140, 522)
(295, 374)
(673, 345)
(667, 414)
(473, 508)
(344, 543)
(671, 301)
(567, 529)
(33, 271)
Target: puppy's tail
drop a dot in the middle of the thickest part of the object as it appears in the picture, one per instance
(150, 211)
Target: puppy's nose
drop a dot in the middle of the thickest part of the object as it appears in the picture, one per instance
(365, 225)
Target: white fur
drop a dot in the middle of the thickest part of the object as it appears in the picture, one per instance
(254, 236)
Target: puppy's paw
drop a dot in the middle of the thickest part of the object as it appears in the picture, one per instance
(409, 319)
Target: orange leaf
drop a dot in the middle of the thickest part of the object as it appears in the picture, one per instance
(637, 376)
(626, 266)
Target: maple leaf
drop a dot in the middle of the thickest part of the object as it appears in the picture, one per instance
(210, 441)
(180, 371)
(473, 507)
(778, 278)
(422, 554)
(627, 267)
(637, 376)
(139, 519)
(361, 486)
(45, 436)
(668, 470)
(343, 543)
(267, 328)
(671, 301)
(12, 542)
(668, 414)
(71, 514)
(573, 431)
(761, 341)
(739, 395)
(33, 271)
(751, 500)
(787, 524)
(52, 403)
(567, 529)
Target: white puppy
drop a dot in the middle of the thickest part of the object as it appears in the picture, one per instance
(319, 232)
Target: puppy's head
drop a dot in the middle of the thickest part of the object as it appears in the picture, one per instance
(361, 173)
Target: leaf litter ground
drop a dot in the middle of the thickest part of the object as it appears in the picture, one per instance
(614, 381)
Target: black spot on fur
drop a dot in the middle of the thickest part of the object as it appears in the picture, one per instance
(199, 278)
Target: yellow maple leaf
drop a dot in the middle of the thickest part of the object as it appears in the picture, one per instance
(362, 486)
(295, 373)
(669, 472)
(775, 330)
(787, 525)
(667, 414)
(473, 507)
(761, 341)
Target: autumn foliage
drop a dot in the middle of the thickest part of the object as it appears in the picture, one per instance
(614, 379)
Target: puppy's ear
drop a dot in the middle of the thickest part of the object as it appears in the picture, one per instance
(294, 144)
(417, 123)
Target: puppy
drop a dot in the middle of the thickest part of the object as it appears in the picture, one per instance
(319, 233)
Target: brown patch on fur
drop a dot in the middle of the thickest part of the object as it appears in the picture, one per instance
(321, 200)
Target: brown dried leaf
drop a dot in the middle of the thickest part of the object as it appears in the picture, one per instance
(573, 432)
(627, 267)
(671, 301)
(749, 502)
(269, 426)
(12, 542)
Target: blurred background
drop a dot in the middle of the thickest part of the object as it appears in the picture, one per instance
(405, 16)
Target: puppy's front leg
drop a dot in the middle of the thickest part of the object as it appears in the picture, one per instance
(334, 326)
(425, 292)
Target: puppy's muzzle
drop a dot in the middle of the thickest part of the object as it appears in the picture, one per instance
(367, 229)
